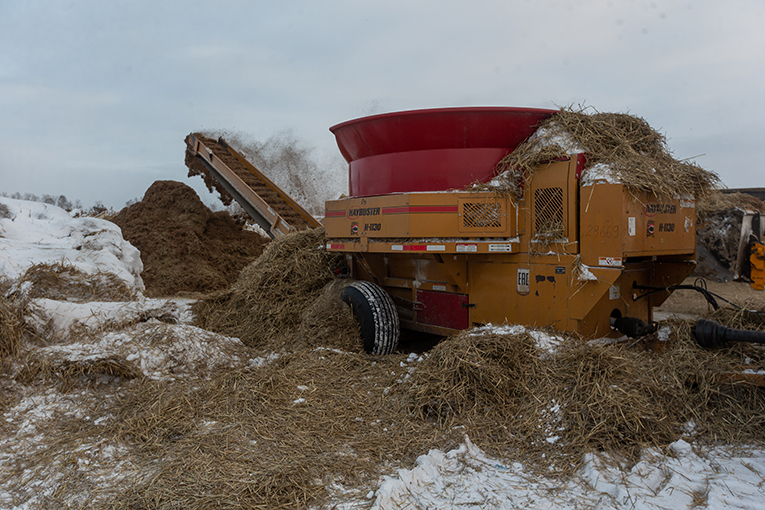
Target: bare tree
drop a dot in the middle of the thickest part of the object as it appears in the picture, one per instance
(99, 208)
(63, 203)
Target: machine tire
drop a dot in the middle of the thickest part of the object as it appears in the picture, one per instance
(376, 314)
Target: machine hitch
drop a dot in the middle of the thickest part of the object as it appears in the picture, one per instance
(711, 335)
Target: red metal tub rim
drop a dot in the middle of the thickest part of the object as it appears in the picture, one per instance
(431, 149)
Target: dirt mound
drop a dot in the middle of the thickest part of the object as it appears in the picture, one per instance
(184, 246)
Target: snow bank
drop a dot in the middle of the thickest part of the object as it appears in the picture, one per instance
(157, 350)
(35, 233)
(466, 478)
(684, 477)
(152, 335)
(681, 478)
(59, 319)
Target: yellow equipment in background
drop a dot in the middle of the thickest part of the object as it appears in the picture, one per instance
(757, 266)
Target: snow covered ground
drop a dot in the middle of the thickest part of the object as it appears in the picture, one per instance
(154, 338)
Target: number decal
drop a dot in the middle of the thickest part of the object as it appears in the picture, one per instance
(602, 231)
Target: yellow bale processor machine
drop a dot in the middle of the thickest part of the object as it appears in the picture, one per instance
(572, 252)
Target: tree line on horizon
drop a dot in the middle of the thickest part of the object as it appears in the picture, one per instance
(59, 201)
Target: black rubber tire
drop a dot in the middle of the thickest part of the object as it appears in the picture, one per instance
(376, 314)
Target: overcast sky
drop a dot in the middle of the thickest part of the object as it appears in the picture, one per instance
(96, 97)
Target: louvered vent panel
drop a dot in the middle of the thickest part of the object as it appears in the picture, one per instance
(548, 211)
(481, 215)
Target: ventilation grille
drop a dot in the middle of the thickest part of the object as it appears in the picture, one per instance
(481, 215)
(548, 212)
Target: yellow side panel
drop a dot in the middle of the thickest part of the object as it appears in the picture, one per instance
(618, 296)
(422, 215)
(533, 295)
(614, 224)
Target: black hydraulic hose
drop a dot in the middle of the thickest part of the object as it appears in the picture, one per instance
(699, 286)
(710, 334)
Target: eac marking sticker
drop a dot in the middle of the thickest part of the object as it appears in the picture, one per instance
(524, 276)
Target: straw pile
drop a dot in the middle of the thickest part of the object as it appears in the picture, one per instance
(12, 327)
(718, 202)
(269, 299)
(476, 372)
(513, 399)
(619, 146)
(270, 436)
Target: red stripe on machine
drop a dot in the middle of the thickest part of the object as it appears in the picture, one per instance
(419, 209)
(331, 214)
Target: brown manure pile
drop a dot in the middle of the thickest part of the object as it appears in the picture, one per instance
(185, 247)
(623, 146)
(289, 288)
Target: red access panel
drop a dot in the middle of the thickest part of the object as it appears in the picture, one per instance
(443, 309)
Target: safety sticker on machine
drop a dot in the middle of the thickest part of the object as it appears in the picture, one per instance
(632, 226)
(610, 261)
(505, 248)
(469, 248)
(418, 247)
(614, 292)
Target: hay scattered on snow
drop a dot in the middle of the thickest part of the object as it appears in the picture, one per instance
(150, 349)
(276, 435)
(619, 147)
(282, 433)
(58, 321)
(65, 282)
(268, 300)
